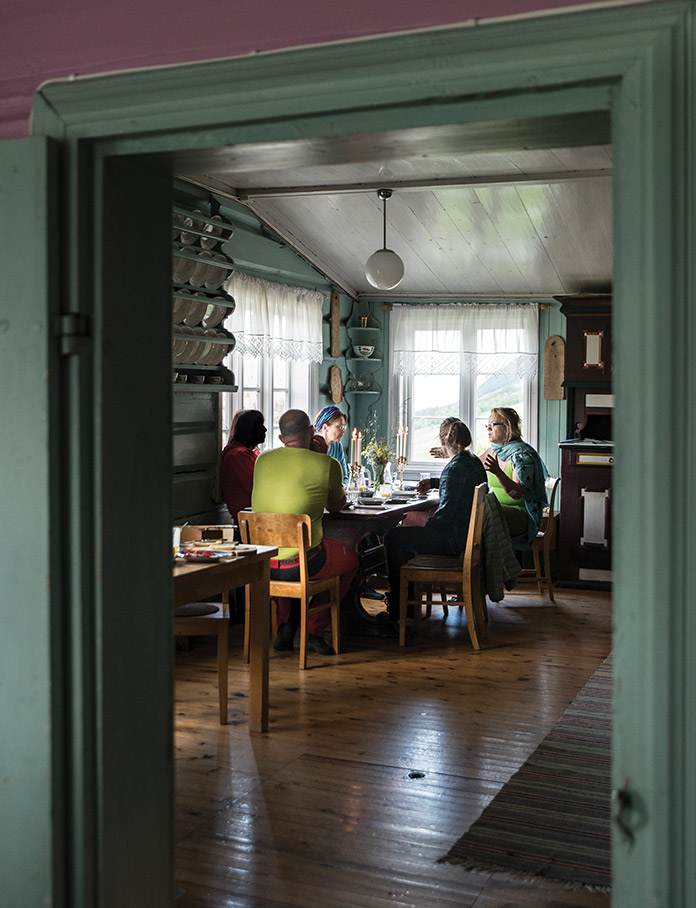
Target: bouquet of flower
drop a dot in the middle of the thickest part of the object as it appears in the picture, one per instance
(377, 453)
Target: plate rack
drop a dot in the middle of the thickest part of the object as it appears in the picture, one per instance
(196, 241)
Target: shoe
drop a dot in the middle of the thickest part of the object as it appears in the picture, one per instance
(319, 645)
(284, 637)
(368, 592)
(383, 618)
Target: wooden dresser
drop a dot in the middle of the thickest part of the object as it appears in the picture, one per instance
(587, 457)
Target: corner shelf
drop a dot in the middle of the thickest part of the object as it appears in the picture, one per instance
(364, 335)
(356, 363)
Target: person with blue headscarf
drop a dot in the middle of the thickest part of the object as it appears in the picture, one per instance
(517, 476)
(330, 423)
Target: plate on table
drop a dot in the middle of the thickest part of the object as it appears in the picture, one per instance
(245, 550)
(204, 556)
(370, 503)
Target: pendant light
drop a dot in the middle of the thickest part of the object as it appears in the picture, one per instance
(384, 269)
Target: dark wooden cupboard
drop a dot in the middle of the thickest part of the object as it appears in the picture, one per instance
(587, 458)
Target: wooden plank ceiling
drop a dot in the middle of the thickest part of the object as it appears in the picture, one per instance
(503, 210)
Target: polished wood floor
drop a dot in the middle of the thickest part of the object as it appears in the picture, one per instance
(375, 763)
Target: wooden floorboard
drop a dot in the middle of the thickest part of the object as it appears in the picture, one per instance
(375, 762)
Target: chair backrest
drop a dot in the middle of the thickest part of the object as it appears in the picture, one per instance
(292, 531)
(472, 552)
(553, 512)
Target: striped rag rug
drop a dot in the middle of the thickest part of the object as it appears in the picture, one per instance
(552, 819)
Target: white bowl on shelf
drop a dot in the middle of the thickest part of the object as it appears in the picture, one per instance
(363, 351)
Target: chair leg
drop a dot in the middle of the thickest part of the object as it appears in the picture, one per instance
(403, 608)
(479, 603)
(222, 660)
(470, 618)
(443, 597)
(304, 631)
(537, 570)
(247, 612)
(547, 568)
(336, 617)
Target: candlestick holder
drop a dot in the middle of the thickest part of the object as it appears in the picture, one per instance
(400, 465)
(354, 475)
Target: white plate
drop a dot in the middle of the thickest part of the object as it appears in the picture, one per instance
(201, 269)
(199, 346)
(211, 352)
(217, 276)
(180, 346)
(183, 268)
(213, 316)
(198, 305)
(180, 308)
(221, 351)
(195, 225)
(214, 231)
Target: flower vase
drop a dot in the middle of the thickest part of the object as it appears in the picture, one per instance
(379, 476)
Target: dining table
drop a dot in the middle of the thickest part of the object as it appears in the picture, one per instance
(194, 580)
(363, 523)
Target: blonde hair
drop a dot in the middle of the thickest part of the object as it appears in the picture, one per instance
(455, 434)
(512, 421)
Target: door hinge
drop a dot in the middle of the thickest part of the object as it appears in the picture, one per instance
(72, 329)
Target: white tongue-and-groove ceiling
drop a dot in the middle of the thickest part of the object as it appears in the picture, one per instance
(510, 209)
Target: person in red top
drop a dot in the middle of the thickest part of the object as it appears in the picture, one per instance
(238, 460)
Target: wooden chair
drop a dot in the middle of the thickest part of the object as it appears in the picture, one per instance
(294, 531)
(543, 544)
(190, 622)
(443, 571)
(216, 624)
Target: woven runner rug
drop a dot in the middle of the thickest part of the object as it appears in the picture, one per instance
(552, 819)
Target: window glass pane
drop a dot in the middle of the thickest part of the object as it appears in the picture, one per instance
(434, 398)
(280, 405)
(495, 391)
(252, 377)
(280, 373)
(250, 400)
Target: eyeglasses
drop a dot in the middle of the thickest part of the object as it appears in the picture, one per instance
(493, 424)
(341, 428)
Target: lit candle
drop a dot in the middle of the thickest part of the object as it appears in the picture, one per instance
(353, 445)
(357, 459)
(405, 452)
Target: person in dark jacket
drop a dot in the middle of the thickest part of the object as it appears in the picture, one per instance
(445, 532)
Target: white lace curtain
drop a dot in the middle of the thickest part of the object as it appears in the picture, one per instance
(465, 338)
(275, 320)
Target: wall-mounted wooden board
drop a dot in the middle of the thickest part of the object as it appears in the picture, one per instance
(335, 317)
(336, 384)
(554, 368)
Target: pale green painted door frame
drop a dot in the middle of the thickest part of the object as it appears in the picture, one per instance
(640, 62)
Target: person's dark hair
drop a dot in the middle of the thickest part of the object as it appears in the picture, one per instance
(293, 423)
(455, 434)
(512, 420)
(246, 427)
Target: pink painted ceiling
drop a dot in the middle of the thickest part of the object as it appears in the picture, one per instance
(48, 39)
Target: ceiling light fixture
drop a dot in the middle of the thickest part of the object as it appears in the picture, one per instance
(384, 269)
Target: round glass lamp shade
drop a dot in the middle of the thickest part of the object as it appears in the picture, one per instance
(384, 269)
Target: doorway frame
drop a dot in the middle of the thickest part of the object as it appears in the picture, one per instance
(638, 62)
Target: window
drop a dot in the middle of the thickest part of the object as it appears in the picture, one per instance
(278, 348)
(461, 360)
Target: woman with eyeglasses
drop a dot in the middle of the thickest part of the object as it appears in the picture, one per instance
(516, 475)
(330, 424)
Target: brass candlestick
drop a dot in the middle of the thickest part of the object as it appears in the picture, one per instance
(400, 465)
